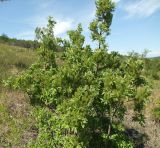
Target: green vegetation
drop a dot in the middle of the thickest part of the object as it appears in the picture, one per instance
(80, 97)
(82, 103)
(21, 43)
(14, 59)
(156, 108)
(15, 130)
(152, 71)
(157, 112)
(153, 68)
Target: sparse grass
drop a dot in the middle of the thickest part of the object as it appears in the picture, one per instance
(151, 127)
(156, 102)
(16, 122)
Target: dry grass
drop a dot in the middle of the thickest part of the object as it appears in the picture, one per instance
(151, 129)
(16, 122)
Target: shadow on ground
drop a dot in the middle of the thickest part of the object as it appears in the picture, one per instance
(139, 139)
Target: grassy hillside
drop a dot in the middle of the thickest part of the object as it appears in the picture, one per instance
(16, 123)
(14, 59)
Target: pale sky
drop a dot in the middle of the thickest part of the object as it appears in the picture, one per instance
(135, 26)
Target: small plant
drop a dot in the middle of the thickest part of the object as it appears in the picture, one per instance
(156, 111)
(82, 102)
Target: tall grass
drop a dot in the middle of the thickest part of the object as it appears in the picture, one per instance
(13, 60)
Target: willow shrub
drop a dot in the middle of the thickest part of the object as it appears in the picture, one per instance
(82, 102)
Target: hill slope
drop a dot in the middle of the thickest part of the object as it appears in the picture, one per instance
(16, 122)
(14, 59)
(15, 130)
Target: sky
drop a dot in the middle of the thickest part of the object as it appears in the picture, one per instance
(135, 25)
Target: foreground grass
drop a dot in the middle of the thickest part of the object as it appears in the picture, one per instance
(148, 135)
(16, 122)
